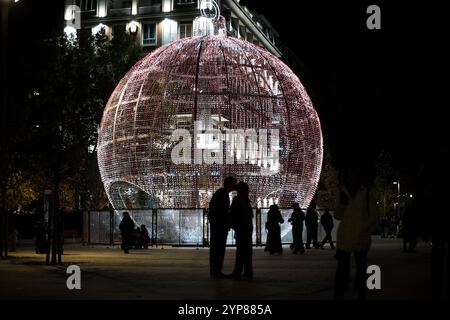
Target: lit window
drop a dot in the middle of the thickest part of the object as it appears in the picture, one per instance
(149, 34)
(185, 30)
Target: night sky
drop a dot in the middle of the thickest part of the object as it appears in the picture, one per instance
(367, 85)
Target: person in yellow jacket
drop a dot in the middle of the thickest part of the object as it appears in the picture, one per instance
(358, 214)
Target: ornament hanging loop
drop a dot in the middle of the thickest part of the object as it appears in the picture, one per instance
(210, 9)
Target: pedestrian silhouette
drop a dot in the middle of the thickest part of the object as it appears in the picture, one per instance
(327, 223)
(312, 223)
(12, 237)
(145, 236)
(297, 218)
(40, 233)
(410, 227)
(136, 238)
(274, 219)
(126, 227)
(242, 223)
(384, 225)
(358, 213)
(219, 222)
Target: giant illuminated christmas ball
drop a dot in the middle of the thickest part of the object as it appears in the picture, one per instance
(203, 108)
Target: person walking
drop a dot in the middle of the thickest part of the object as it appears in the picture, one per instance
(126, 227)
(242, 223)
(219, 222)
(327, 223)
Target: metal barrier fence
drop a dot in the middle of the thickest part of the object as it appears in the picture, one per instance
(178, 227)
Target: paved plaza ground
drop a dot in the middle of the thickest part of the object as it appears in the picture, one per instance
(183, 273)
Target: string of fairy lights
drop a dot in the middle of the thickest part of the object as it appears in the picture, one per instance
(246, 115)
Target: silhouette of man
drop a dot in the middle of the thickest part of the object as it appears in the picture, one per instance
(297, 218)
(126, 227)
(327, 222)
(410, 226)
(41, 240)
(241, 222)
(311, 222)
(219, 221)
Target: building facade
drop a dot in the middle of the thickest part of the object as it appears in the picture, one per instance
(158, 22)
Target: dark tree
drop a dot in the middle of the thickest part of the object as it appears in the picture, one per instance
(56, 121)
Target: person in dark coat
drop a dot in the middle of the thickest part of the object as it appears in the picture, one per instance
(410, 226)
(137, 237)
(145, 236)
(297, 218)
(126, 227)
(327, 222)
(358, 213)
(274, 219)
(12, 238)
(311, 222)
(384, 225)
(219, 222)
(242, 223)
(40, 232)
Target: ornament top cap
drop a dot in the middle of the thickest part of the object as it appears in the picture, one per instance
(210, 22)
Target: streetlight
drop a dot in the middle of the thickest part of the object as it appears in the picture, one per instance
(398, 197)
